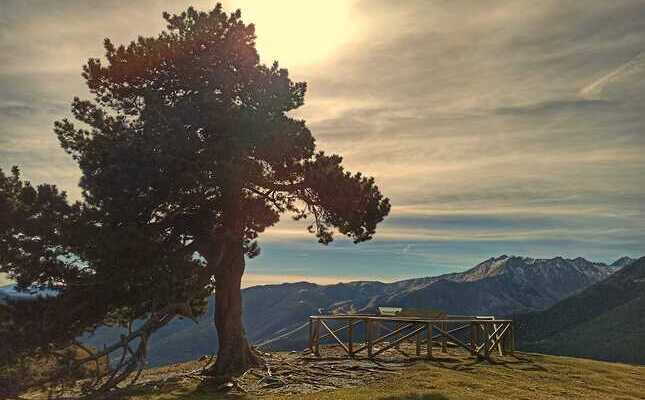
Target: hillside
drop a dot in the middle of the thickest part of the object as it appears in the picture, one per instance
(501, 286)
(605, 321)
(498, 286)
(452, 377)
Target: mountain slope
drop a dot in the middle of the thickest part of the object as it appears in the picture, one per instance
(504, 285)
(622, 262)
(451, 377)
(606, 321)
(498, 286)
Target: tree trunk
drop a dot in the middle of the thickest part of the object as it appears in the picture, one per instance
(234, 355)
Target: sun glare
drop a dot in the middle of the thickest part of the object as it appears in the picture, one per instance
(298, 33)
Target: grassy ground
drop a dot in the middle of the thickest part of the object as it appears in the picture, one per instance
(457, 376)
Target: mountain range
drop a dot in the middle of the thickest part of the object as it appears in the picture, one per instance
(276, 315)
(606, 321)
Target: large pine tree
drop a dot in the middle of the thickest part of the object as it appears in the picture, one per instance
(188, 152)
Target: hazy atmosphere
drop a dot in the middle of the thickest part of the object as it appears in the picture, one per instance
(506, 128)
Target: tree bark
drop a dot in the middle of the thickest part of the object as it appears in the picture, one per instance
(234, 355)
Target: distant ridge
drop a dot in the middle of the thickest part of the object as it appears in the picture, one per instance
(606, 321)
(621, 262)
(501, 285)
(504, 264)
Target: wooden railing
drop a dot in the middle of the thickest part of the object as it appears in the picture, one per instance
(477, 334)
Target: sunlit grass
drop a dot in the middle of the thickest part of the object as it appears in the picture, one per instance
(528, 376)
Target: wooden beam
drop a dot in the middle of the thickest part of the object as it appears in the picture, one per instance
(512, 334)
(350, 341)
(396, 327)
(429, 342)
(456, 340)
(499, 344)
(399, 340)
(317, 338)
(368, 337)
(497, 338)
(444, 338)
(506, 342)
(337, 330)
(311, 335)
(340, 342)
(488, 338)
(452, 331)
(473, 338)
(376, 327)
(392, 333)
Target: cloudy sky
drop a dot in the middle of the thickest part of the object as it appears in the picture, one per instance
(495, 127)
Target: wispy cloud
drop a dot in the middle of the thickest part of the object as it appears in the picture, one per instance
(493, 127)
(630, 70)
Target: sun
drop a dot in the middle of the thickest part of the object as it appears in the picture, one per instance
(298, 32)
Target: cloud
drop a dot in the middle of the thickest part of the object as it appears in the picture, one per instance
(512, 126)
(624, 81)
(253, 279)
(558, 106)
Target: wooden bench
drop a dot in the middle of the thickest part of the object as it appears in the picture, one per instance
(418, 313)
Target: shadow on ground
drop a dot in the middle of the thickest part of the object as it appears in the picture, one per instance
(425, 396)
(469, 364)
(184, 388)
(178, 391)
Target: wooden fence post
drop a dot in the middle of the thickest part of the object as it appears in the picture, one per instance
(487, 338)
(429, 343)
(350, 341)
(376, 328)
(311, 335)
(478, 332)
(506, 341)
(512, 336)
(368, 336)
(398, 335)
(317, 338)
(418, 343)
(444, 338)
(473, 338)
(498, 339)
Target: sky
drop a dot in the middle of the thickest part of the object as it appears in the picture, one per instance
(495, 127)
